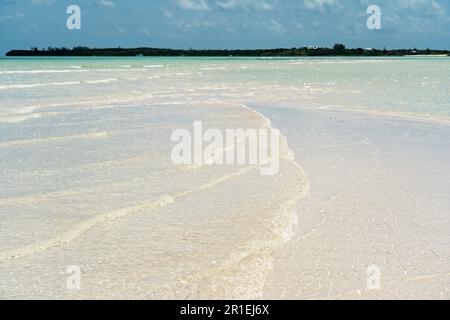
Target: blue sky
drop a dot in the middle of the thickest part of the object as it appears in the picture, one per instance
(224, 23)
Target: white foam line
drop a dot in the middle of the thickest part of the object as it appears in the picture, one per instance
(89, 135)
(214, 68)
(17, 118)
(120, 70)
(284, 216)
(154, 66)
(42, 197)
(42, 71)
(79, 229)
(101, 81)
(257, 255)
(37, 85)
(418, 117)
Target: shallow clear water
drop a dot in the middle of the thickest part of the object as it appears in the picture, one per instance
(87, 180)
(404, 85)
(86, 175)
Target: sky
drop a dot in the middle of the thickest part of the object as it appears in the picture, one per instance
(221, 24)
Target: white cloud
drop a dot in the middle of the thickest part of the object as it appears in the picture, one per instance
(275, 26)
(41, 2)
(438, 9)
(166, 13)
(107, 3)
(319, 5)
(196, 5)
(245, 5)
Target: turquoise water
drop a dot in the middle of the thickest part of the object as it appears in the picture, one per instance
(404, 85)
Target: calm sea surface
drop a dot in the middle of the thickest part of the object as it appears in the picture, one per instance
(87, 180)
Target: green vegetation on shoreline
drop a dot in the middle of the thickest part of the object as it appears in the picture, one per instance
(337, 50)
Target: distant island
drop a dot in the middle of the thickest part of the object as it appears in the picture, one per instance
(310, 51)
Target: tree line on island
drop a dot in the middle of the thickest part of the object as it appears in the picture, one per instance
(337, 50)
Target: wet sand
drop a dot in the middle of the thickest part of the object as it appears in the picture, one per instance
(379, 198)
